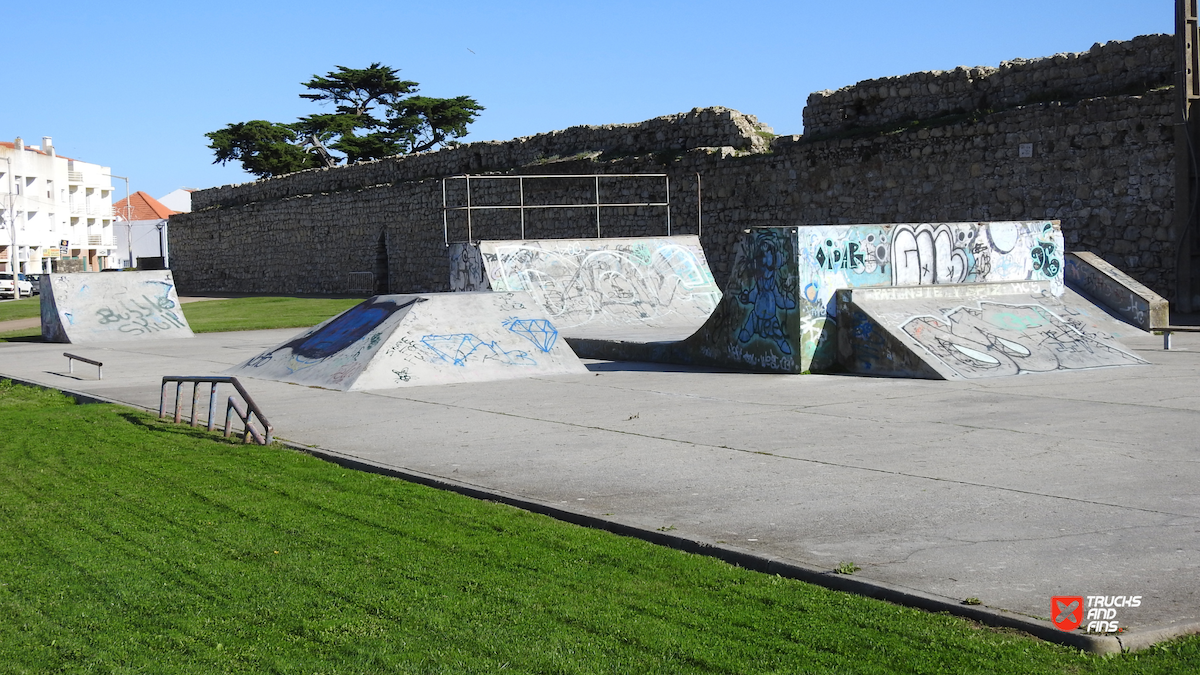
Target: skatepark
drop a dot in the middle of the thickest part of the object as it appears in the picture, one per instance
(1012, 490)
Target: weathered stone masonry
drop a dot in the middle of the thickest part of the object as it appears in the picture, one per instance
(1104, 166)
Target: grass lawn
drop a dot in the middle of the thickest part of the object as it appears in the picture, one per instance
(129, 545)
(211, 316)
(25, 308)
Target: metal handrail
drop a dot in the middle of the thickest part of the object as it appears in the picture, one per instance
(244, 414)
(597, 205)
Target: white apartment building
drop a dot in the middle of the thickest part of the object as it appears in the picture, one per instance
(58, 211)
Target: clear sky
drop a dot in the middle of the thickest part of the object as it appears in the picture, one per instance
(135, 85)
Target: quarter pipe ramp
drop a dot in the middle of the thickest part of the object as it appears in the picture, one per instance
(598, 287)
(107, 306)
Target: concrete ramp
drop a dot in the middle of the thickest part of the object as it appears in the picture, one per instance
(778, 313)
(392, 341)
(1120, 293)
(969, 331)
(109, 306)
(598, 287)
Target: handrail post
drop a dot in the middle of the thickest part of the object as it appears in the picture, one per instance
(668, 184)
(228, 417)
(212, 405)
(178, 401)
(598, 207)
(195, 395)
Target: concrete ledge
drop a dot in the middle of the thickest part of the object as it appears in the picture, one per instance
(1091, 275)
(964, 291)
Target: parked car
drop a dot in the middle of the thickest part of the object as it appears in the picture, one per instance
(36, 281)
(23, 287)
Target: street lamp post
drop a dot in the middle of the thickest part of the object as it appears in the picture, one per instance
(128, 219)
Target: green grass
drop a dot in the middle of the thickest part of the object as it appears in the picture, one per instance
(128, 545)
(210, 316)
(25, 308)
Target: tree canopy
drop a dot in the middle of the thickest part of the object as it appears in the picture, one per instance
(375, 114)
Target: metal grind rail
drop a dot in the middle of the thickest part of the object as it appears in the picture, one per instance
(244, 414)
(72, 358)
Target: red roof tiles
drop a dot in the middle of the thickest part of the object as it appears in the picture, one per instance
(144, 206)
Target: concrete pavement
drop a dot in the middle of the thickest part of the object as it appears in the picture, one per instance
(1010, 490)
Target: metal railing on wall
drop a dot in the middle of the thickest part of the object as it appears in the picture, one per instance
(522, 207)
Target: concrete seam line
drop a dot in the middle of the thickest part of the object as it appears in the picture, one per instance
(777, 455)
(1096, 644)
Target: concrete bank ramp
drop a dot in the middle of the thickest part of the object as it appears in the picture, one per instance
(1121, 294)
(598, 287)
(969, 331)
(778, 313)
(109, 306)
(392, 341)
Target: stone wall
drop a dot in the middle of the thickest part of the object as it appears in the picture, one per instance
(1103, 166)
(1132, 66)
(698, 128)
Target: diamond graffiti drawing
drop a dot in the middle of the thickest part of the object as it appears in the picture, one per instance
(538, 331)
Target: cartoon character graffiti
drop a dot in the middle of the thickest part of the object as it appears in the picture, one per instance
(765, 297)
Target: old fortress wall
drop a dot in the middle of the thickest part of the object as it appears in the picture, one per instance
(1083, 138)
(1107, 69)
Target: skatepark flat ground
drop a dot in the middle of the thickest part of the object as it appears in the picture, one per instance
(1009, 490)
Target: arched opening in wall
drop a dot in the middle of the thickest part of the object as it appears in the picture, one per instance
(381, 264)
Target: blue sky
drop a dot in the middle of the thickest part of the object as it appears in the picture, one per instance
(135, 85)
